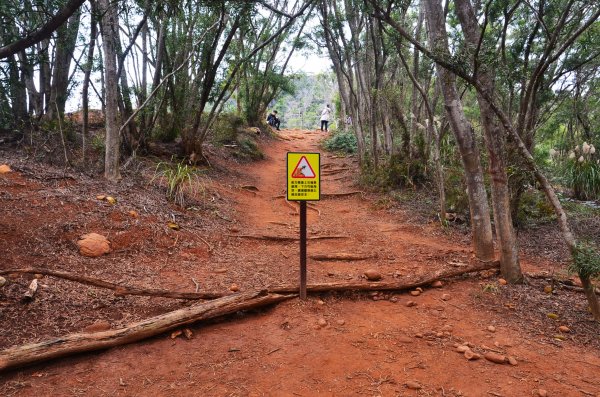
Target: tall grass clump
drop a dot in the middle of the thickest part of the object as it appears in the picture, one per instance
(180, 179)
(580, 171)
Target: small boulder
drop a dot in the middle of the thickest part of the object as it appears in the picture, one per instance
(411, 303)
(93, 245)
(512, 360)
(5, 169)
(469, 355)
(373, 275)
(463, 348)
(491, 328)
(340, 322)
(322, 322)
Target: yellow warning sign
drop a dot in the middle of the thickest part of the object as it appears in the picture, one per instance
(303, 176)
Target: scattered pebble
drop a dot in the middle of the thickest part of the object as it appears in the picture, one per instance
(502, 281)
(5, 169)
(491, 328)
(322, 322)
(220, 270)
(445, 297)
(548, 289)
(373, 275)
(415, 293)
(234, 288)
(564, 328)
(404, 339)
(512, 360)
(133, 214)
(234, 229)
(393, 299)
(463, 348)
(495, 357)
(437, 284)
(542, 393)
(340, 322)
(469, 355)
(411, 303)
(188, 333)
(320, 302)
(414, 385)
(2, 281)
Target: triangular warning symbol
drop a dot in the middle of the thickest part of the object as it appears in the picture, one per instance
(303, 169)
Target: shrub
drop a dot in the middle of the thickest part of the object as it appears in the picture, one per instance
(580, 171)
(341, 141)
(180, 179)
(586, 260)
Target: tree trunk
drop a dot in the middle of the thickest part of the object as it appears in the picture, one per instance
(109, 29)
(86, 80)
(495, 141)
(65, 46)
(478, 204)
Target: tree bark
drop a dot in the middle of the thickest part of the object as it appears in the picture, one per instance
(463, 131)
(85, 342)
(44, 32)
(496, 144)
(109, 29)
(86, 79)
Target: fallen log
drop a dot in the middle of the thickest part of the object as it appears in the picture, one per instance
(283, 238)
(341, 256)
(85, 342)
(396, 285)
(119, 289)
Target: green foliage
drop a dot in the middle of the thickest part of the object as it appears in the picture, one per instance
(341, 141)
(248, 149)
(580, 171)
(398, 173)
(226, 127)
(533, 206)
(456, 194)
(180, 179)
(586, 260)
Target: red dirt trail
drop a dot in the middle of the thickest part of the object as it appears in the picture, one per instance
(368, 347)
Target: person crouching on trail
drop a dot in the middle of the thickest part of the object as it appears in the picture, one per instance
(273, 120)
(325, 114)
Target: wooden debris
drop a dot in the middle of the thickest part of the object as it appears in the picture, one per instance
(33, 287)
(341, 256)
(395, 285)
(119, 289)
(70, 344)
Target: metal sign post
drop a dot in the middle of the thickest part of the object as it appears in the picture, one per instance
(303, 184)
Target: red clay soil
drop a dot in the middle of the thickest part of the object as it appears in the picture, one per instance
(330, 345)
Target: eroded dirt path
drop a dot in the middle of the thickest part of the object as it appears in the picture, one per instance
(368, 347)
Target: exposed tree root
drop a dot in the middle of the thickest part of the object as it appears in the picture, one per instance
(119, 289)
(341, 256)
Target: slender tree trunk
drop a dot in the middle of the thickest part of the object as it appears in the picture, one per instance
(109, 29)
(86, 79)
(65, 47)
(478, 204)
(495, 142)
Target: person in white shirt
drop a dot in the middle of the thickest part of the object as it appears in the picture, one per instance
(325, 114)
